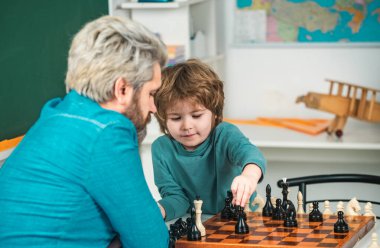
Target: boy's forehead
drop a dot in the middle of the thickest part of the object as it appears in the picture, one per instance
(182, 104)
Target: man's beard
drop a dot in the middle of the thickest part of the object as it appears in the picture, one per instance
(135, 114)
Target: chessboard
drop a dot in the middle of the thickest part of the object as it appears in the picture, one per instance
(265, 232)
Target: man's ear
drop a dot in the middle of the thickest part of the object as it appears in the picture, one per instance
(123, 92)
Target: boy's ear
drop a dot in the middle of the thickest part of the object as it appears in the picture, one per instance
(123, 92)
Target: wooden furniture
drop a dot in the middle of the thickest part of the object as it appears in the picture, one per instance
(345, 100)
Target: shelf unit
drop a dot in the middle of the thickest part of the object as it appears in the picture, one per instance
(176, 23)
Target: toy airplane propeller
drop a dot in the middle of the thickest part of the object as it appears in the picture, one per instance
(348, 100)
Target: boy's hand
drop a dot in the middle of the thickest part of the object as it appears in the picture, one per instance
(243, 186)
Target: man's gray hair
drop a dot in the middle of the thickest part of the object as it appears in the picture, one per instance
(109, 48)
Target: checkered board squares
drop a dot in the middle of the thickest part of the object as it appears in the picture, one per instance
(265, 232)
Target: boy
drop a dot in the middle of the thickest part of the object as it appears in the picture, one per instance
(199, 154)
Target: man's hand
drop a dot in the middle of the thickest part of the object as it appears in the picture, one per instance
(162, 209)
(243, 186)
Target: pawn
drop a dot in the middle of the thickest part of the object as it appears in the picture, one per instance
(315, 215)
(310, 207)
(327, 210)
(340, 226)
(268, 207)
(193, 233)
(374, 243)
(368, 210)
(340, 207)
(278, 212)
(273, 200)
(241, 226)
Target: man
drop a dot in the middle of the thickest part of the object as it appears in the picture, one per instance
(76, 178)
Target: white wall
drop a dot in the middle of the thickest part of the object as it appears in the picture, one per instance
(267, 79)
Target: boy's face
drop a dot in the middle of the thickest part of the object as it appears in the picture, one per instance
(189, 123)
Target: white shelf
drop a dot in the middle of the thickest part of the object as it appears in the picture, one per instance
(158, 5)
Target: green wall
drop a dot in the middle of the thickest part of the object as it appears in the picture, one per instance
(35, 36)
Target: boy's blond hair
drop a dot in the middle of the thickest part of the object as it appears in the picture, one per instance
(192, 80)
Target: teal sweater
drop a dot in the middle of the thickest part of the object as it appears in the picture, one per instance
(76, 180)
(208, 171)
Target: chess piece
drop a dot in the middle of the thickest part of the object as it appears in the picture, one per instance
(268, 207)
(172, 240)
(315, 215)
(278, 212)
(227, 210)
(193, 233)
(182, 226)
(290, 218)
(353, 208)
(327, 210)
(259, 203)
(241, 226)
(374, 243)
(368, 210)
(285, 193)
(198, 212)
(340, 226)
(273, 200)
(300, 209)
(310, 207)
(339, 207)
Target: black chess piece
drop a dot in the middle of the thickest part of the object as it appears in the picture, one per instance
(241, 226)
(227, 211)
(278, 211)
(172, 240)
(175, 231)
(182, 226)
(340, 226)
(285, 193)
(268, 207)
(315, 215)
(290, 217)
(193, 232)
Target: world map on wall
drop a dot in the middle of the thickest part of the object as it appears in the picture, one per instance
(307, 20)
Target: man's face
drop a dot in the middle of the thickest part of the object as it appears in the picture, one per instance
(143, 103)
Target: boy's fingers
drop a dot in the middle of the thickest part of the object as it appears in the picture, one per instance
(240, 193)
(245, 196)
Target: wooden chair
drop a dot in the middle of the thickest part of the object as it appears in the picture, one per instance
(303, 182)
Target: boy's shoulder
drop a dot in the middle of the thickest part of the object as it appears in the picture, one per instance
(163, 140)
(226, 127)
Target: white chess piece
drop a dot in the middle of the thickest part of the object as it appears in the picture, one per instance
(368, 210)
(198, 220)
(327, 210)
(259, 201)
(310, 207)
(300, 209)
(273, 200)
(353, 208)
(374, 243)
(339, 207)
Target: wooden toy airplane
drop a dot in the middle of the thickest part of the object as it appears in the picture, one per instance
(348, 100)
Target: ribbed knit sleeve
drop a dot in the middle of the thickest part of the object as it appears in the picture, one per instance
(174, 199)
(116, 182)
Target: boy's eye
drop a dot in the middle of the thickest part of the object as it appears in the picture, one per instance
(197, 116)
(175, 118)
